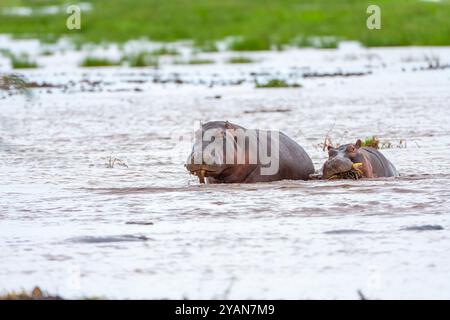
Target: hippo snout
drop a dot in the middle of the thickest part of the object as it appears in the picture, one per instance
(336, 165)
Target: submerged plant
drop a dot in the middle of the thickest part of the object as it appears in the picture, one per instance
(164, 51)
(240, 59)
(15, 82)
(98, 62)
(22, 61)
(372, 142)
(141, 59)
(277, 83)
(35, 294)
(195, 61)
(208, 46)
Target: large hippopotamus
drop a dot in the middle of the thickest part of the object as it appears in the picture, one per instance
(366, 161)
(224, 152)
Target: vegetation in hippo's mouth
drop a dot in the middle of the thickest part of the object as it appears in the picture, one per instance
(23, 61)
(260, 25)
(92, 61)
(347, 175)
(277, 83)
(240, 59)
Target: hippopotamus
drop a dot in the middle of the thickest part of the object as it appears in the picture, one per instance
(242, 155)
(367, 161)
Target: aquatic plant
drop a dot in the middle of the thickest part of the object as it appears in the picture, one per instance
(35, 294)
(22, 61)
(141, 59)
(165, 51)
(372, 142)
(240, 59)
(207, 46)
(195, 61)
(277, 83)
(12, 81)
(92, 61)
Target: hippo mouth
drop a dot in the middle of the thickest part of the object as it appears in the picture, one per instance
(341, 168)
(354, 174)
(205, 170)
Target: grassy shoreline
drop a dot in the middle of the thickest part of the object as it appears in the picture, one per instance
(260, 25)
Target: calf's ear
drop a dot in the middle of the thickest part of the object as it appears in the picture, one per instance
(358, 143)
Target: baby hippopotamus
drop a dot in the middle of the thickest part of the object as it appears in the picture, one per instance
(363, 162)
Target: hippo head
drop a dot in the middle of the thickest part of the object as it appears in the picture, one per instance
(342, 159)
(209, 156)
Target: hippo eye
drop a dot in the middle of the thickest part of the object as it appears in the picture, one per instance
(350, 149)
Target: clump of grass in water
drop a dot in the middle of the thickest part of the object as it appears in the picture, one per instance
(209, 46)
(141, 59)
(23, 61)
(195, 61)
(323, 42)
(200, 61)
(164, 51)
(372, 142)
(250, 44)
(35, 294)
(15, 82)
(47, 52)
(241, 59)
(98, 62)
(12, 81)
(277, 83)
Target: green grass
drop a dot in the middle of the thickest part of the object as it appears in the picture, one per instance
(141, 59)
(277, 83)
(22, 62)
(257, 24)
(164, 51)
(47, 52)
(240, 59)
(99, 62)
(371, 142)
(195, 61)
(207, 46)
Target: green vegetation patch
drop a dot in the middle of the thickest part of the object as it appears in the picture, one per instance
(195, 61)
(277, 83)
(92, 61)
(164, 51)
(141, 59)
(257, 25)
(23, 61)
(35, 294)
(240, 59)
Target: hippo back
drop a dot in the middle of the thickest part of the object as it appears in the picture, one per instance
(382, 167)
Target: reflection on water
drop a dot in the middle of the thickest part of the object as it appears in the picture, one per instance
(75, 227)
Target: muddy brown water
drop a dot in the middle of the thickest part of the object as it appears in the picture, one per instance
(75, 227)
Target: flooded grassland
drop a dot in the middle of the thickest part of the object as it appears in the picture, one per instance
(77, 226)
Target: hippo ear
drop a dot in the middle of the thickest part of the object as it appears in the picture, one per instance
(329, 147)
(358, 144)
